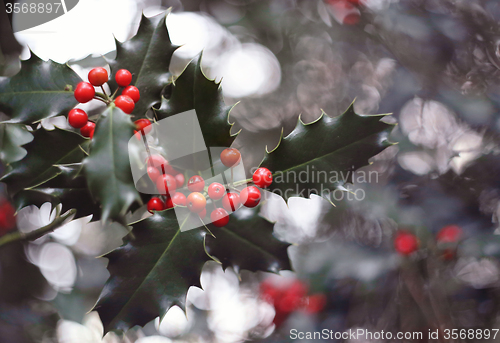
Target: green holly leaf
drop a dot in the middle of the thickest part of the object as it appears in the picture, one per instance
(48, 148)
(42, 89)
(247, 242)
(320, 157)
(147, 56)
(193, 90)
(107, 168)
(151, 272)
(12, 137)
(68, 188)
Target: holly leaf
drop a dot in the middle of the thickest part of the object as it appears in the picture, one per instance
(321, 157)
(147, 56)
(247, 242)
(68, 188)
(107, 168)
(12, 137)
(193, 90)
(47, 149)
(151, 272)
(47, 84)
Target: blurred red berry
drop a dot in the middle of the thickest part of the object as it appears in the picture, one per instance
(7, 217)
(406, 243)
(449, 234)
(314, 303)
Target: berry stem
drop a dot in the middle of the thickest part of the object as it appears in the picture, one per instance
(232, 177)
(114, 94)
(101, 99)
(104, 92)
(35, 234)
(210, 232)
(242, 182)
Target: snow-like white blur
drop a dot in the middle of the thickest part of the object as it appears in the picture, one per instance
(246, 69)
(234, 312)
(54, 258)
(87, 29)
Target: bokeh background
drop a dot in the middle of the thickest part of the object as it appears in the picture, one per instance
(433, 64)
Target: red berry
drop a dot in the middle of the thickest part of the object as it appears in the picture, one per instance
(250, 196)
(157, 161)
(196, 202)
(288, 303)
(77, 118)
(123, 77)
(351, 19)
(88, 130)
(216, 191)
(262, 177)
(7, 217)
(231, 202)
(196, 183)
(406, 243)
(84, 92)
(169, 203)
(230, 157)
(179, 199)
(166, 184)
(203, 213)
(98, 76)
(219, 217)
(155, 204)
(314, 303)
(143, 125)
(153, 173)
(125, 103)
(270, 293)
(132, 92)
(297, 288)
(449, 234)
(180, 180)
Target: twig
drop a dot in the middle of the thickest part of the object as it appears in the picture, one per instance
(35, 234)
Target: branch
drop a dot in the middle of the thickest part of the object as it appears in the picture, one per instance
(35, 234)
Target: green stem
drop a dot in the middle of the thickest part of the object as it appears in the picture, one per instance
(104, 92)
(114, 93)
(242, 182)
(35, 234)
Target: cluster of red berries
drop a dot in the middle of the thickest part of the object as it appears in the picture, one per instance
(289, 298)
(447, 238)
(345, 12)
(168, 182)
(7, 217)
(85, 92)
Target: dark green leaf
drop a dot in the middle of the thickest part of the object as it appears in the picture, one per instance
(320, 157)
(107, 168)
(247, 242)
(68, 188)
(151, 272)
(147, 56)
(40, 90)
(47, 149)
(12, 137)
(192, 90)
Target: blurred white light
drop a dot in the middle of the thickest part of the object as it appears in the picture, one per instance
(154, 339)
(249, 70)
(174, 323)
(193, 32)
(477, 273)
(31, 217)
(57, 264)
(88, 28)
(418, 162)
